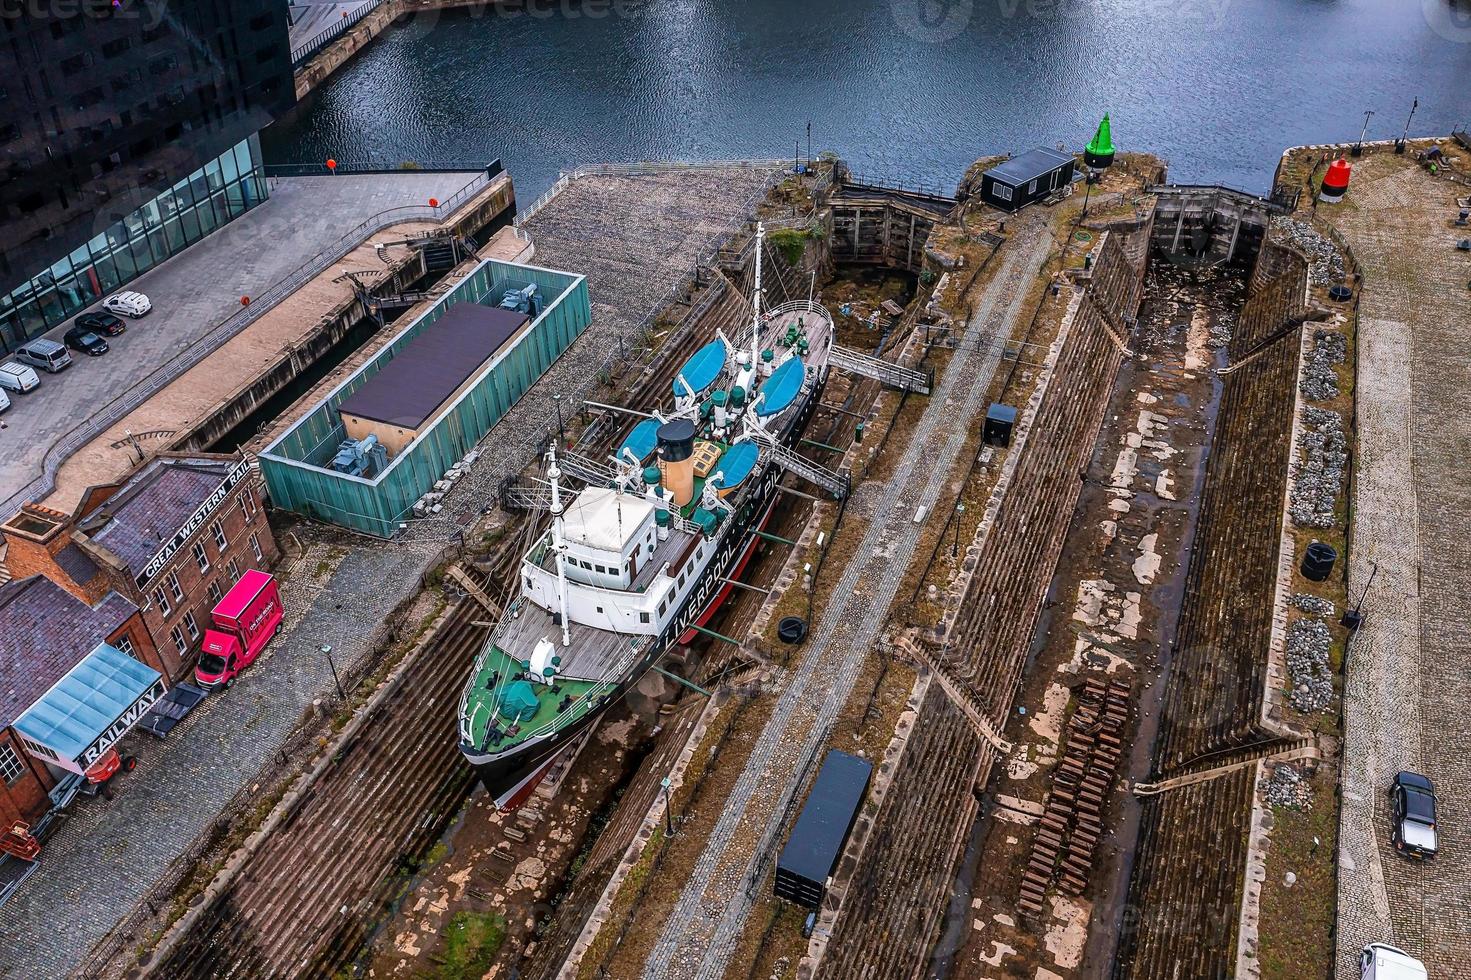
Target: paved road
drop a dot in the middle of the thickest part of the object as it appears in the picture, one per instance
(1409, 667)
(195, 291)
(704, 928)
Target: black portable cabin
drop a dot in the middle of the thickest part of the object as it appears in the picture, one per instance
(1025, 178)
(822, 829)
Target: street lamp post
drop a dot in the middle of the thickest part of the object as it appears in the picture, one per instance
(326, 649)
(561, 429)
(668, 808)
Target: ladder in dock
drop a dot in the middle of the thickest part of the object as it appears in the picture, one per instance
(887, 372)
(834, 482)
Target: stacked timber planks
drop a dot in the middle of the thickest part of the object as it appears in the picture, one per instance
(1072, 823)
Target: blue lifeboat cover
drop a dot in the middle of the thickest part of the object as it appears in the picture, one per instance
(781, 389)
(736, 463)
(641, 440)
(702, 368)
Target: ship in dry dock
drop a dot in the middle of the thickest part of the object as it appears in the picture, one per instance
(628, 570)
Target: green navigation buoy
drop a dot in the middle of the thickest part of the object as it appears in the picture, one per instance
(1098, 154)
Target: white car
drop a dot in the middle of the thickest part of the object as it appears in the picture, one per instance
(15, 376)
(1381, 961)
(128, 303)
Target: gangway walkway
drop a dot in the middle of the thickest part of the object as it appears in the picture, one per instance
(836, 483)
(887, 372)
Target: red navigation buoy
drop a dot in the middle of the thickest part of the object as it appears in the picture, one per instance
(245, 301)
(1335, 182)
(434, 202)
(332, 165)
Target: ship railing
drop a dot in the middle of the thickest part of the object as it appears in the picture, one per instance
(619, 669)
(496, 632)
(798, 306)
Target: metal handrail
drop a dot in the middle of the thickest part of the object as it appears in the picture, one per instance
(317, 42)
(372, 167)
(196, 352)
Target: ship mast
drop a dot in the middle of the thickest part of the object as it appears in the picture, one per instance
(559, 546)
(756, 301)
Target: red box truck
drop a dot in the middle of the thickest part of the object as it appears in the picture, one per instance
(243, 623)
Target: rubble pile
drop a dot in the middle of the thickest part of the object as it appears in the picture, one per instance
(1319, 380)
(1314, 604)
(1319, 473)
(1289, 788)
(1223, 324)
(1308, 645)
(1325, 263)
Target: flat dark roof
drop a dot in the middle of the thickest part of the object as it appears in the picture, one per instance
(429, 368)
(1029, 166)
(817, 839)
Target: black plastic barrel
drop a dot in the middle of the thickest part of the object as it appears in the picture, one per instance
(1317, 561)
(792, 629)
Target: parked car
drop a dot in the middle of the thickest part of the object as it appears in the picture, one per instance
(85, 341)
(1413, 799)
(128, 304)
(1381, 961)
(4, 401)
(16, 376)
(102, 324)
(242, 623)
(45, 354)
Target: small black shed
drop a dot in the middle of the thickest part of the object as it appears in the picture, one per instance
(1027, 177)
(822, 829)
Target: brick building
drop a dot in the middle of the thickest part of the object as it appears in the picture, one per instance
(172, 538)
(45, 633)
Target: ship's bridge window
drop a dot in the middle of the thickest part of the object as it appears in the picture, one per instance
(662, 606)
(643, 617)
(602, 570)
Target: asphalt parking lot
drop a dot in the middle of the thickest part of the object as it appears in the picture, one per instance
(195, 291)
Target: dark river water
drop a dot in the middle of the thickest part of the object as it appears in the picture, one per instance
(902, 88)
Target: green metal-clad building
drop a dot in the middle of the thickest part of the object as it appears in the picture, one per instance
(298, 466)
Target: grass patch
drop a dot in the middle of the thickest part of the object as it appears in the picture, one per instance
(1297, 921)
(471, 941)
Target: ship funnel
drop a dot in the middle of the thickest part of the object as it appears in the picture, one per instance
(676, 447)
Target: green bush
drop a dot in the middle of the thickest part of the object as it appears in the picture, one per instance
(790, 242)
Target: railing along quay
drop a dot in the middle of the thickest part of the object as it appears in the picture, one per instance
(303, 52)
(196, 352)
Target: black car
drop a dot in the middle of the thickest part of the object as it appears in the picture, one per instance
(84, 340)
(102, 324)
(1413, 799)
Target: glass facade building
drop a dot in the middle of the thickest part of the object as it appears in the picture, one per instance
(221, 190)
(127, 130)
